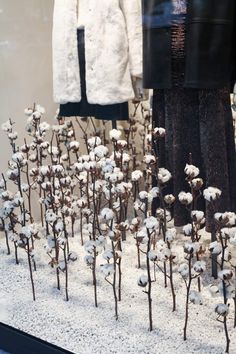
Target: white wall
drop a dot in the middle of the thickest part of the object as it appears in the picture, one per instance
(25, 62)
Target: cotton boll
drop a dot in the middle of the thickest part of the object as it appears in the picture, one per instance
(122, 144)
(59, 227)
(107, 269)
(143, 281)
(215, 248)
(101, 241)
(89, 260)
(7, 208)
(51, 217)
(74, 146)
(45, 170)
(13, 136)
(53, 150)
(154, 192)
(18, 157)
(222, 309)
(7, 126)
(231, 218)
(90, 246)
(227, 218)
(141, 234)
(116, 206)
(89, 166)
(46, 186)
(160, 214)
(44, 127)
(152, 255)
(225, 233)
(199, 266)
(183, 270)
(148, 138)
(225, 274)
(197, 183)
(169, 199)
(185, 198)
(114, 236)
(191, 171)
(29, 230)
(151, 223)
(14, 237)
(164, 254)
(107, 214)
(115, 134)
(25, 187)
(12, 174)
(101, 151)
(6, 195)
(211, 193)
(198, 216)
(195, 297)
(171, 235)
(108, 255)
(149, 159)
(57, 169)
(125, 158)
(50, 241)
(108, 166)
(136, 221)
(159, 132)
(143, 195)
(94, 141)
(18, 200)
(163, 175)
(82, 177)
(191, 247)
(187, 230)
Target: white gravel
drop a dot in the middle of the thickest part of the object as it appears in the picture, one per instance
(83, 329)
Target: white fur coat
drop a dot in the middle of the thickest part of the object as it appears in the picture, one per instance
(113, 50)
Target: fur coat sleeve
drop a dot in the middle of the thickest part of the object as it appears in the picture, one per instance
(132, 13)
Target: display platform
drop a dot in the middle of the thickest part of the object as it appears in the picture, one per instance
(14, 341)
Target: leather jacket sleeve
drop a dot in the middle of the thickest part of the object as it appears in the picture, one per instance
(133, 18)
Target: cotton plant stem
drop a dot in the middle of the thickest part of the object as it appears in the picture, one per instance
(29, 192)
(149, 291)
(114, 281)
(66, 273)
(15, 244)
(6, 238)
(224, 247)
(138, 254)
(171, 279)
(94, 239)
(119, 262)
(30, 269)
(188, 287)
(198, 279)
(56, 258)
(95, 279)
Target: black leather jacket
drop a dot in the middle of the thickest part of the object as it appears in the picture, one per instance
(210, 43)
